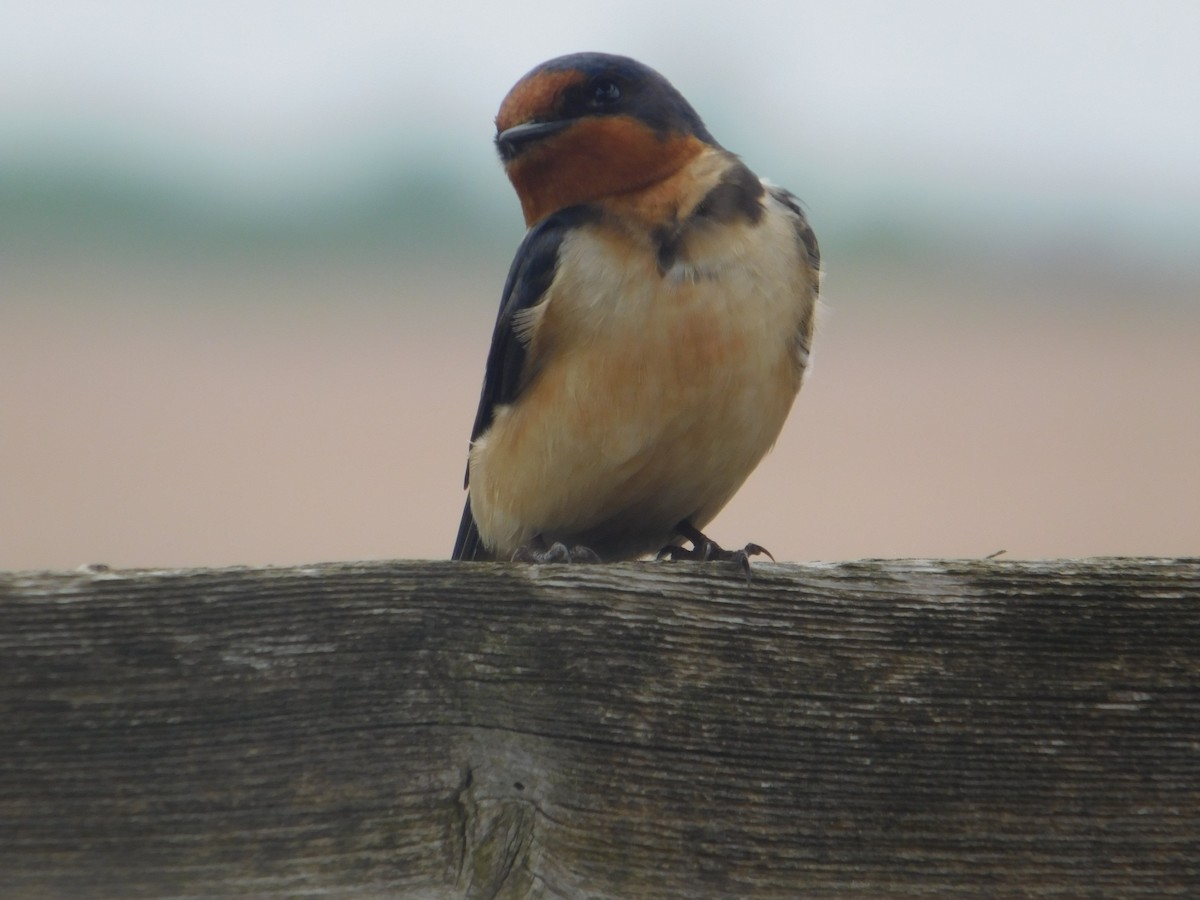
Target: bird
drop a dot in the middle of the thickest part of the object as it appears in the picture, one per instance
(653, 331)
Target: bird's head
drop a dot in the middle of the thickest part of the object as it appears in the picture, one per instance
(586, 126)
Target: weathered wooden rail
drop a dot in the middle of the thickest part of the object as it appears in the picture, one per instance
(423, 729)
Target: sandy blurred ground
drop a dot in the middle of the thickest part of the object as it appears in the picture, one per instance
(212, 418)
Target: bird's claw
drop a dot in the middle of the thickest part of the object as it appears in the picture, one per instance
(536, 551)
(705, 549)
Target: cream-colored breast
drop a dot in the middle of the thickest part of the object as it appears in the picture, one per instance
(655, 394)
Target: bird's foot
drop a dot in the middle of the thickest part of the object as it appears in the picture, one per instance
(704, 549)
(538, 551)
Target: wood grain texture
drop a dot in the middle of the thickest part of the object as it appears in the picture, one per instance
(426, 729)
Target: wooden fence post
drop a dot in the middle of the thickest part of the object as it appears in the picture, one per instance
(432, 729)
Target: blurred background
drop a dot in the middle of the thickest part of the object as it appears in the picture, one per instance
(251, 252)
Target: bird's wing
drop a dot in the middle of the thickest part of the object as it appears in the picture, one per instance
(532, 272)
(810, 253)
(804, 233)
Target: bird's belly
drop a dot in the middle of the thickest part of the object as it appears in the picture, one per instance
(654, 419)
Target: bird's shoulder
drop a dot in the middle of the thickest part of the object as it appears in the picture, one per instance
(805, 236)
(716, 207)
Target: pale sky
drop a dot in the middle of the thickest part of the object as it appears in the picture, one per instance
(1072, 101)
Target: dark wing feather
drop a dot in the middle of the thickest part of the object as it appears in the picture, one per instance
(530, 276)
(468, 545)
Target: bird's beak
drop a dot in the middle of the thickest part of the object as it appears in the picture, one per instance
(512, 141)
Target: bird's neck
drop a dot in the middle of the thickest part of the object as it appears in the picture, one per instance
(595, 160)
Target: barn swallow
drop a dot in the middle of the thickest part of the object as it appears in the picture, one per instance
(653, 332)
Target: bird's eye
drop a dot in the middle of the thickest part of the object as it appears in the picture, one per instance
(605, 93)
